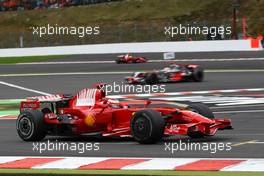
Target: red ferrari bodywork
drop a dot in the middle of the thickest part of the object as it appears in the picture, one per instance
(91, 112)
(130, 59)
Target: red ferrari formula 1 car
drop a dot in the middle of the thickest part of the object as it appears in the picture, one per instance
(90, 112)
(172, 73)
(126, 59)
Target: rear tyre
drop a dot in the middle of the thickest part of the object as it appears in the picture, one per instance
(30, 125)
(135, 61)
(204, 110)
(151, 78)
(198, 74)
(118, 61)
(147, 126)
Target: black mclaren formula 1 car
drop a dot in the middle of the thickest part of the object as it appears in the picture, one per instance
(172, 73)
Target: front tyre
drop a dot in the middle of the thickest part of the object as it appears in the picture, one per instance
(203, 110)
(151, 78)
(30, 125)
(147, 126)
(198, 74)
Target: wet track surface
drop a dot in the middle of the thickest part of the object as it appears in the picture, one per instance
(246, 139)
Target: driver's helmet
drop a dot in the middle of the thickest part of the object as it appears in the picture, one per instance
(138, 74)
(101, 93)
(100, 90)
(114, 103)
(175, 66)
(127, 56)
(166, 69)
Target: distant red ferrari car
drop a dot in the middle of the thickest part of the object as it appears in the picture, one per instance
(172, 73)
(126, 59)
(90, 112)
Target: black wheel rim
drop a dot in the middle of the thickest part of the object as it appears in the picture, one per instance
(25, 126)
(142, 128)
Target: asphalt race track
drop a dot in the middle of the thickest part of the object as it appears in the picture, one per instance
(244, 108)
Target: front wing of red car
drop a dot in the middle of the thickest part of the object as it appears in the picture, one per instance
(202, 128)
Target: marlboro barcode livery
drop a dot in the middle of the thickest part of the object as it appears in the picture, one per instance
(91, 112)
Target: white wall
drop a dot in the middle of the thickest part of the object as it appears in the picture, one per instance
(186, 46)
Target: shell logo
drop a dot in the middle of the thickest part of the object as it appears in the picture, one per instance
(89, 120)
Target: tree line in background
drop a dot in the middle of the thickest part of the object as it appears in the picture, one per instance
(13, 5)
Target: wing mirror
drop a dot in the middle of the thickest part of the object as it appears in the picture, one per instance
(148, 102)
(102, 104)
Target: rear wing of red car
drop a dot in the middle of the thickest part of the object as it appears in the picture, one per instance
(46, 98)
(35, 102)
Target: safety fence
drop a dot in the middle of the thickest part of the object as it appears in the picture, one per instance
(115, 32)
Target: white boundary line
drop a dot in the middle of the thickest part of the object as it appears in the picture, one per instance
(66, 62)
(237, 106)
(64, 74)
(257, 143)
(150, 61)
(211, 60)
(246, 111)
(234, 71)
(149, 95)
(115, 73)
(152, 94)
(188, 93)
(24, 88)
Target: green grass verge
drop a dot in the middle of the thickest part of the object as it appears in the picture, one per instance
(9, 112)
(36, 172)
(10, 101)
(105, 12)
(9, 107)
(14, 60)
